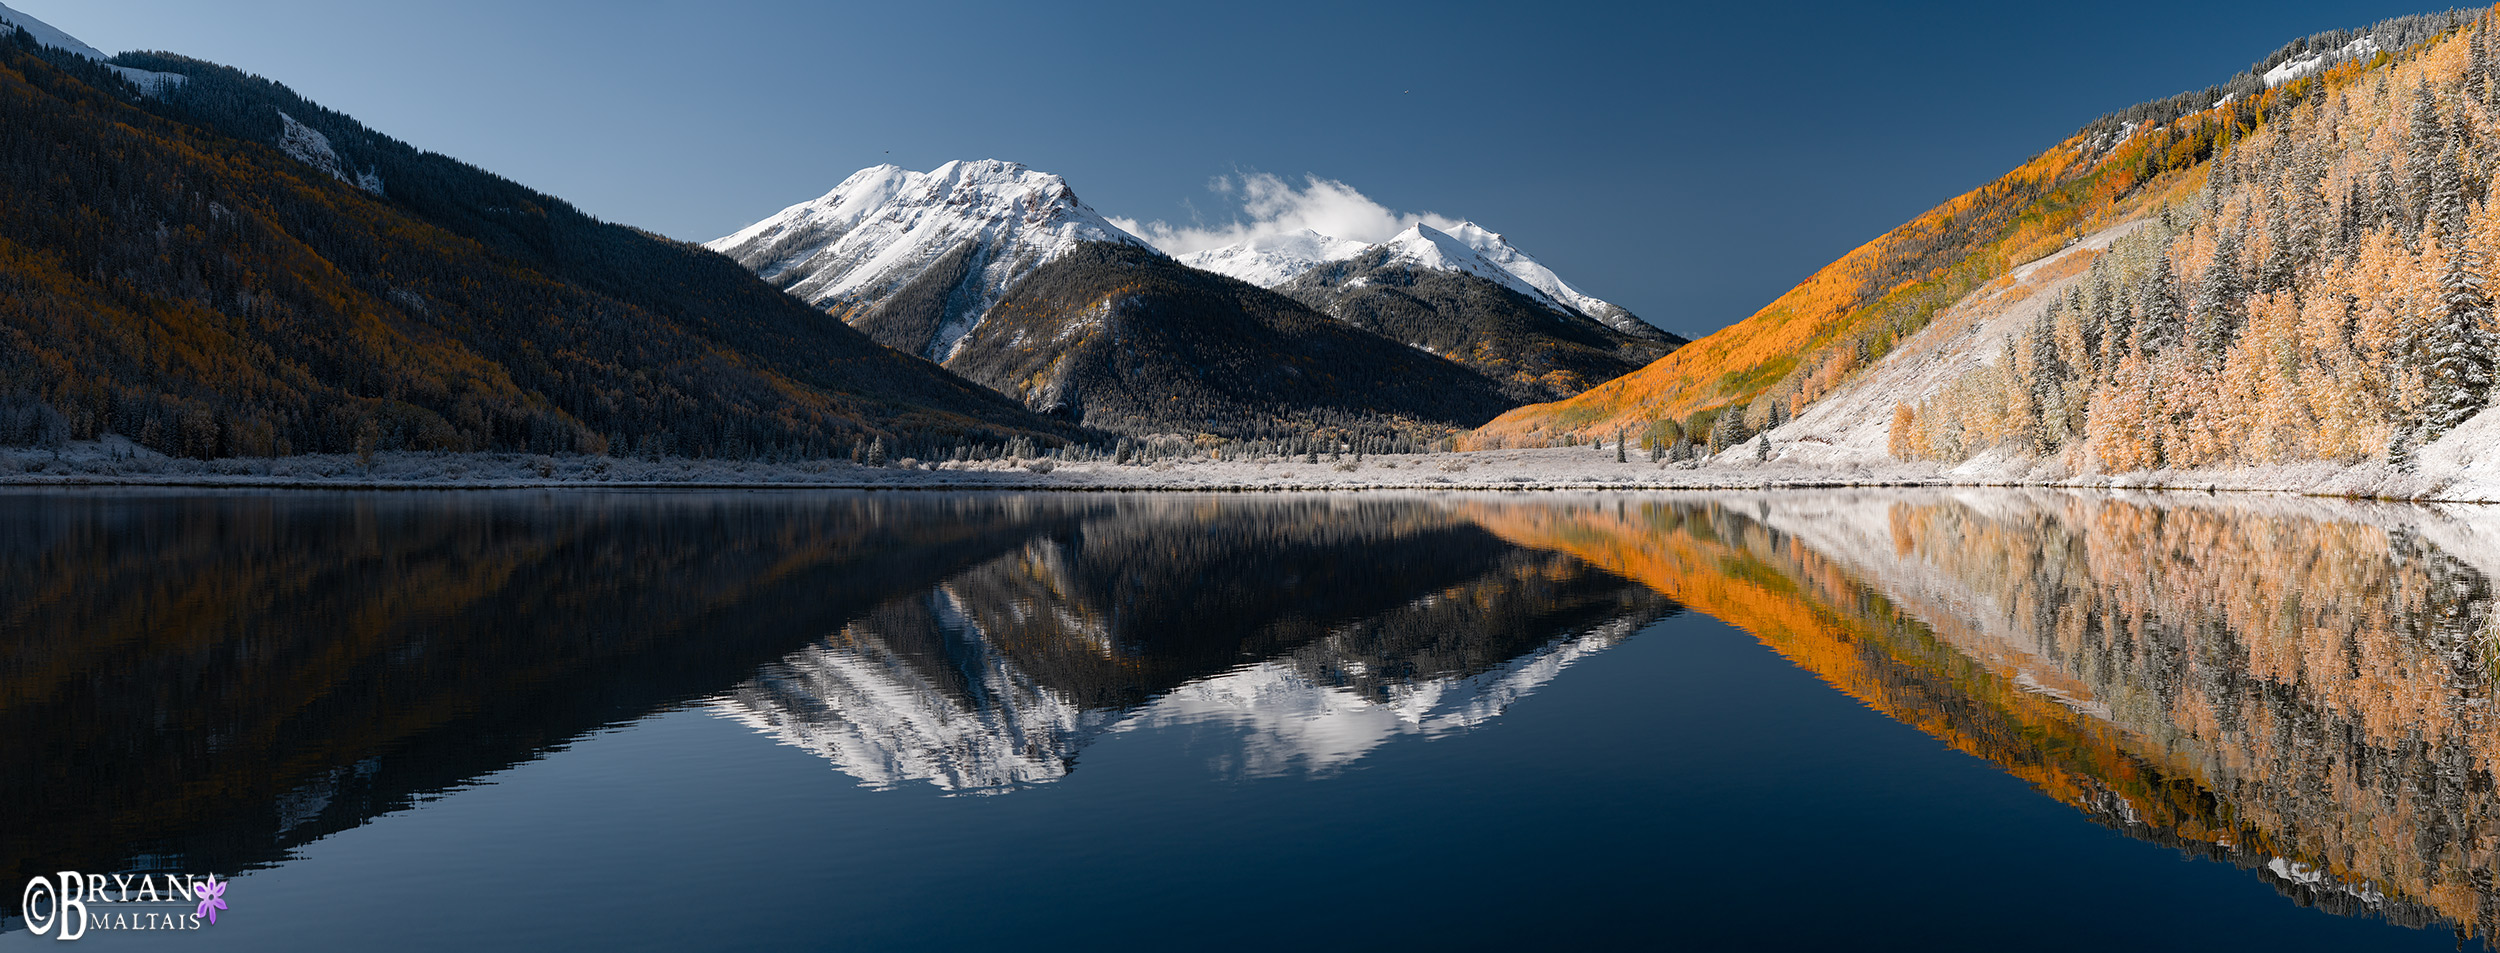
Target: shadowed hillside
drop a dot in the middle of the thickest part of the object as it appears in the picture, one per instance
(1121, 338)
(235, 271)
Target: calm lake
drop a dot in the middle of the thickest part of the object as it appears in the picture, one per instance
(1928, 720)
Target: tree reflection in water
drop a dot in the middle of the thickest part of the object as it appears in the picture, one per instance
(208, 681)
(2300, 688)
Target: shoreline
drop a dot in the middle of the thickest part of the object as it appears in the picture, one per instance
(1569, 469)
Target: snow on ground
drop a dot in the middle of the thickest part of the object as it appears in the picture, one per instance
(49, 35)
(2305, 64)
(1854, 425)
(115, 461)
(1271, 260)
(150, 82)
(1502, 254)
(311, 148)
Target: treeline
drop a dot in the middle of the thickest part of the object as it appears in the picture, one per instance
(2323, 297)
(168, 275)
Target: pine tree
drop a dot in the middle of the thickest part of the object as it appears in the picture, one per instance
(2111, 315)
(2477, 64)
(2422, 146)
(2459, 342)
(2219, 306)
(2387, 205)
(1729, 430)
(2046, 409)
(2158, 300)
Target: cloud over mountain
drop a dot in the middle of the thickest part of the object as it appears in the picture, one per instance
(1271, 206)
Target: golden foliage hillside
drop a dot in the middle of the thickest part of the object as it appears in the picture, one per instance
(1848, 315)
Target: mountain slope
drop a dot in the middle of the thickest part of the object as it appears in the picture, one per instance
(999, 273)
(175, 271)
(1119, 337)
(1271, 260)
(1849, 315)
(46, 34)
(916, 259)
(2322, 299)
(1531, 349)
(1465, 294)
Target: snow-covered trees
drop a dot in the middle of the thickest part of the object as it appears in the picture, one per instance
(2323, 296)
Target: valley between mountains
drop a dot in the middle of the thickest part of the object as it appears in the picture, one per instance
(2278, 282)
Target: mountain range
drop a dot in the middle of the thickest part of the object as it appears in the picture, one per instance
(1000, 273)
(219, 267)
(2288, 267)
(234, 270)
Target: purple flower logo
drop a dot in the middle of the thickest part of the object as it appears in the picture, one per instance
(212, 898)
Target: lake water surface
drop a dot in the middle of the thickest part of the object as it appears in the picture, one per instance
(792, 720)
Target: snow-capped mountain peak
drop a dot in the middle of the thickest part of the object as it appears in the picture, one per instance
(1534, 274)
(1424, 246)
(884, 226)
(1271, 260)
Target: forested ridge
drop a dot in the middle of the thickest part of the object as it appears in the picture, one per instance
(1823, 333)
(1527, 348)
(2323, 296)
(1124, 339)
(168, 274)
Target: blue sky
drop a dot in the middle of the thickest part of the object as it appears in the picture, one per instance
(1688, 161)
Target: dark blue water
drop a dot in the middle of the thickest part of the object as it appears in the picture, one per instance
(764, 721)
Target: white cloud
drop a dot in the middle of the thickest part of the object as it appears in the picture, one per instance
(1270, 205)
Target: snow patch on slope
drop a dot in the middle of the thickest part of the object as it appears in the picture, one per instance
(310, 147)
(1466, 247)
(1502, 254)
(2308, 63)
(1853, 426)
(885, 225)
(49, 35)
(151, 83)
(1271, 260)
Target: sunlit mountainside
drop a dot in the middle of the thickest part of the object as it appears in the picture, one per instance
(2318, 172)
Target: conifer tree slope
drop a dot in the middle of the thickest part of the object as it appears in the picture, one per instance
(2320, 296)
(1532, 350)
(1120, 338)
(219, 267)
(1825, 332)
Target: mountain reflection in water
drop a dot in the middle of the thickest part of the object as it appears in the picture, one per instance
(209, 681)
